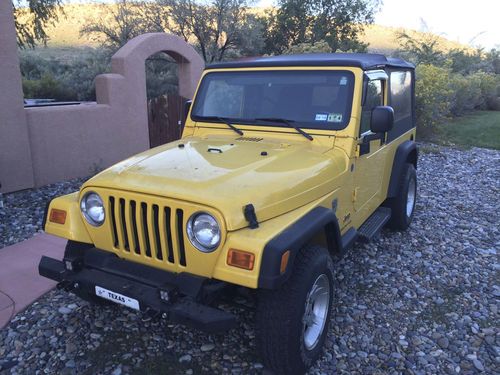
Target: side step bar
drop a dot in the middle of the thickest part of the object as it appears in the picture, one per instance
(373, 225)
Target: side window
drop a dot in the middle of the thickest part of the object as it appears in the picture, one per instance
(400, 94)
(374, 97)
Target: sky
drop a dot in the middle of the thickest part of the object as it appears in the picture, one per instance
(470, 22)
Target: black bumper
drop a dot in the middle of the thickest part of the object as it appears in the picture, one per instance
(187, 294)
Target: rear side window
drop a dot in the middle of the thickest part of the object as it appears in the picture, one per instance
(400, 94)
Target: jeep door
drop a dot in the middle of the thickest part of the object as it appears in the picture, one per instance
(371, 155)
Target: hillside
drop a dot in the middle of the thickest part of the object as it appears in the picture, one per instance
(66, 33)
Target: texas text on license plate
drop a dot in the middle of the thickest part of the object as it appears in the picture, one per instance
(117, 298)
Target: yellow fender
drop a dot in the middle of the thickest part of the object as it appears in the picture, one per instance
(73, 227)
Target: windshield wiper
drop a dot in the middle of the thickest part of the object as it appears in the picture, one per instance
(225, 120)
(289, 123)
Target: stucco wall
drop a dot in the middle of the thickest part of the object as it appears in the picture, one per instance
(75, 141)
(15, 158)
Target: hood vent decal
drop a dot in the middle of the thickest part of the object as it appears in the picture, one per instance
(249, 139)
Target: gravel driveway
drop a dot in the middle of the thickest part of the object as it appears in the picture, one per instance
(22, 213)
(421, 302)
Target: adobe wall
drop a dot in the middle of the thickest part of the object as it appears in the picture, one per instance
(16, 172)
(75, 141)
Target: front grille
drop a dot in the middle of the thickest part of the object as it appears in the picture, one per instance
(148, 230)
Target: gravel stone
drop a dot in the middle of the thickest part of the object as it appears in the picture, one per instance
(207, 347)
(443, 342)
(478, 365)
(185, 358)
(424, 301)
(64, 310)
(22, 213)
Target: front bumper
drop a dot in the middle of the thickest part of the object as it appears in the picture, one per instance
(188, 294)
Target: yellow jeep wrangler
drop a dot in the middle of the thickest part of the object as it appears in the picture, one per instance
(284, 162)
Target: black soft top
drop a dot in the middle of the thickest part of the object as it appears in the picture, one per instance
(364, 61)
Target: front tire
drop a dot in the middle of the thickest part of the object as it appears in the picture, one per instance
(403, 205)
(292, 321)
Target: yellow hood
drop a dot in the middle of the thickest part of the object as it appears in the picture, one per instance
(229, 173)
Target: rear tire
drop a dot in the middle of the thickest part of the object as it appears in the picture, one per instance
(292, 321)
(403, 205)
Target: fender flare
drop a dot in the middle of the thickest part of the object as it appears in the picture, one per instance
(406, 152)
(293, 238)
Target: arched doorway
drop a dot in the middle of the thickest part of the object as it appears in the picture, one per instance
(166, 115)
(157, 51)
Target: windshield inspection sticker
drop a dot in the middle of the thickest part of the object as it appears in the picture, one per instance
(335, 117)
(321, 117)
(343, 81)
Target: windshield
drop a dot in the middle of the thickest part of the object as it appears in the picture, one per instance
(318, 99)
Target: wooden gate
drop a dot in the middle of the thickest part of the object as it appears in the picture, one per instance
(165, 118)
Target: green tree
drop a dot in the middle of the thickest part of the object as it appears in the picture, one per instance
(337, 22)
(493, 58)
(32, 17)
(465, 62)
(420, 48)
(318, 47)
(217, 27)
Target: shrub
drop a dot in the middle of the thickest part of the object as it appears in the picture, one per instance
(81, 71)
(161, 75)
(72, 76)
(489, 84)
(466, 93)
(434, 97)
(47, 88)
(441, 93)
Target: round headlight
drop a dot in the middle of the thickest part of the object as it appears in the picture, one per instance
(92, 208)
(203, 232)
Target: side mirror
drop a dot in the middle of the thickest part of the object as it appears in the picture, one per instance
(187, 107)
(382, 119)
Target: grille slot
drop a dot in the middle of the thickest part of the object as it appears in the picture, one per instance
(123, 223)
(148, 230)
(156, 227)
(145, 229)
(168, 230)
(180, 237)
(137, 248)
(113, 221)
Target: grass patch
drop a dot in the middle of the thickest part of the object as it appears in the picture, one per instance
(478, 129)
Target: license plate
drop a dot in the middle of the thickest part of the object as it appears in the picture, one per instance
(117, 298)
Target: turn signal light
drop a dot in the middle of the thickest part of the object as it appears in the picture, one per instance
(57, 216)
(240, 259)
(284, 261)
